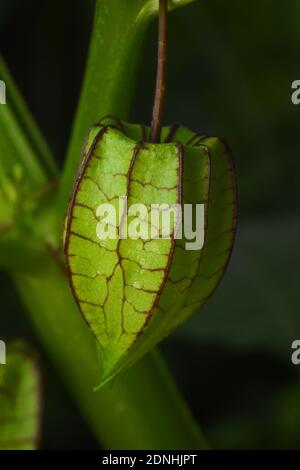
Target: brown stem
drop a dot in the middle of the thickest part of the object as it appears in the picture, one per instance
(161, 73)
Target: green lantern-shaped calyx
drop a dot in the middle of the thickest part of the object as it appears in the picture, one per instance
(140, 197)
(133, 281)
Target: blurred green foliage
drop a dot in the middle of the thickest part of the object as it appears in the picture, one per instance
(20, 399)
(231, 66)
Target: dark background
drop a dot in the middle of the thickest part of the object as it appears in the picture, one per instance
(231, 65)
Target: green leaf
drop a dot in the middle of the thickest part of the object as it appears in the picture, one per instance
(24, 125)
(26, 165)
(134, 292)
(19, 400)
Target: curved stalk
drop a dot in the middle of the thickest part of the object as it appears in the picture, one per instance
(115, 46)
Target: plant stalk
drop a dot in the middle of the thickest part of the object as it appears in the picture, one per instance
(161, 72)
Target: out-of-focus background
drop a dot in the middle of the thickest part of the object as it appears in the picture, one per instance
(231, 65)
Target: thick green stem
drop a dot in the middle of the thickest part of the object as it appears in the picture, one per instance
(116, 41)
(142, 408)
